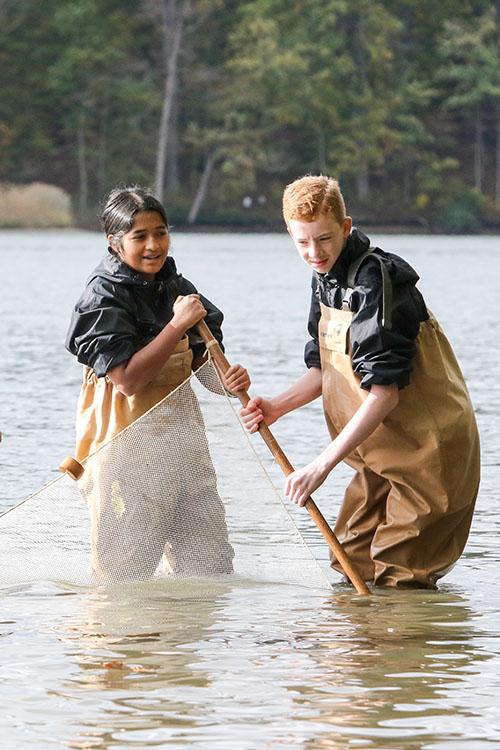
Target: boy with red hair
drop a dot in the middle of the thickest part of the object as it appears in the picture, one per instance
(396, 404)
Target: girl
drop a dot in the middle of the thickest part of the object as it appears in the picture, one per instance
(132, 329)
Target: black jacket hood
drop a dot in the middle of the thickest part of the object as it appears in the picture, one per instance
(113, 269)
(380, 354)
(357, 243)
(120, 311)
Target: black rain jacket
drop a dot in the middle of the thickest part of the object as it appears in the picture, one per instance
(120, 312)
(380, 355)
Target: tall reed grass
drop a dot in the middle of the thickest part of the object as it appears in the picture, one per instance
(34, 205)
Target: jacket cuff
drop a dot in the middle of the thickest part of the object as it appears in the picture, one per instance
(378, 379)
(106, 361)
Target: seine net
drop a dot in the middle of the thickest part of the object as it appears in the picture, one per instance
(179, 493)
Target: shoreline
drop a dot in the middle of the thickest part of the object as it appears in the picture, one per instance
(367, 228)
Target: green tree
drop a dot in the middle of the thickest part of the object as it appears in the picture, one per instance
(28, 140)
(470, 75)
(321, 75)
(91, 79)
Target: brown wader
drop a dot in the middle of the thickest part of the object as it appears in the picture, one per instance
(152, 493)
(406, 514)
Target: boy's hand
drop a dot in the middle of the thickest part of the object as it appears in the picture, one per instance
(188, 310)
(257, 410)
(236, 379)
(302, 483)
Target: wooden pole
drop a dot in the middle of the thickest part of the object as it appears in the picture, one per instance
(347, 566)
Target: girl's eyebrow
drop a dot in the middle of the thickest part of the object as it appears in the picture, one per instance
(139, 231)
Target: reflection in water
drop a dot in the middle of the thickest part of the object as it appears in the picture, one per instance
(388, 671)
(137, 645)
(213, 664)
(394, 666)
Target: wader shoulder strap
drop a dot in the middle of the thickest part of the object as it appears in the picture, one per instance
(386, 285)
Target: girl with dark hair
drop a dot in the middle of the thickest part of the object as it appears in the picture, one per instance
(133, 330)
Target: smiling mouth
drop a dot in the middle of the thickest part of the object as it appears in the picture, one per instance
(151, 257)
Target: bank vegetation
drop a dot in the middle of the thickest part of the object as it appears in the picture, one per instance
(217, 104)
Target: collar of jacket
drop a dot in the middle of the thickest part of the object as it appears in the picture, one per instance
(356, 244)
(114, 269)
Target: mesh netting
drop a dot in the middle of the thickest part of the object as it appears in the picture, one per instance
(179, 493)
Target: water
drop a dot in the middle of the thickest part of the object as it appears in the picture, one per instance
(241, 664)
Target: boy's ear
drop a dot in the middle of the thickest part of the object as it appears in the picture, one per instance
(347, 226)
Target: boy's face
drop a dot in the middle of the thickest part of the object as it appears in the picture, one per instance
(321, 241)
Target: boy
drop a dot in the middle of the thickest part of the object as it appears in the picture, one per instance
(396, 405)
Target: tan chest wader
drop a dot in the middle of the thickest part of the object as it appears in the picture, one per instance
(406, 514)
(138, 494)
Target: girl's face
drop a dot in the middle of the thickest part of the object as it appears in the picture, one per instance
(145, 246)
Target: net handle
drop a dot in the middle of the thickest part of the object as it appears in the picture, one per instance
(72, 467)
(347, 566)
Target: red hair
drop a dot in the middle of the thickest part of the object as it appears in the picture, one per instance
(308, 197)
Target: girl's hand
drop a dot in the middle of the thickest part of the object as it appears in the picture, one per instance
(188, 311)
(257, 410)
(236, 379)
(302, 483)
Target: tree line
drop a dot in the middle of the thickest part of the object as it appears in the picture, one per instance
(217, 104)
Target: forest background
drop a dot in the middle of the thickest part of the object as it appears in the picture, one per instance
(218, 104)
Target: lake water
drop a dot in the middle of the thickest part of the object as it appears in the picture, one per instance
(242, 664)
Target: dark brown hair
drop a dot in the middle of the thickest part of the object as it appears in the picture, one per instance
(121, 207)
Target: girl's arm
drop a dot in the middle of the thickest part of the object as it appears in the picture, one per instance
(381, 400)
(146, 363)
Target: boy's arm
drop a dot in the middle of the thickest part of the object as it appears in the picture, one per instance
(305, 389)
(381, 400)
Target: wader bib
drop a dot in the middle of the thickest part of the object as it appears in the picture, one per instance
(406, 514)
(144, 502)
(103, 411)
